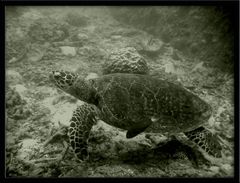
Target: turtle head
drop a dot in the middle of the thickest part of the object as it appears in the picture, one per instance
(63, 79)
(73, 84)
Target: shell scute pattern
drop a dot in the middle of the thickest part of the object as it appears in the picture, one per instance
(127, 97)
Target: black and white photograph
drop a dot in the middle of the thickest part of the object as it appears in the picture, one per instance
(119, 91)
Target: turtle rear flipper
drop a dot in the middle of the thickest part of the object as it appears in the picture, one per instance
(206, 140)
(84, 117)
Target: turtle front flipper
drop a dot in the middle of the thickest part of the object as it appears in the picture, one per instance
(135, 131)
(84, 117)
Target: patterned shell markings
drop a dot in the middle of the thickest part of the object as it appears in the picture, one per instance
(134, 99)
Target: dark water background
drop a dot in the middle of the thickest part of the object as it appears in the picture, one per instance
(190, 46)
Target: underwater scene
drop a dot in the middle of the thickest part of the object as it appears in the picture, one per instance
(104, 91)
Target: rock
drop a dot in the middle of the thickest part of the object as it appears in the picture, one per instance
(37, 52)
(35, 57)
(150, 46)
(92, 53)
(116, 37)
(114, 170)
(155, 139)
(214, 169)
(68, 51)
(84, 50)
(21, 89)
(91, 76)
(13, 77)
(228, 169)
(199, 67)
(82, 37)
(62, 113)
(27, 148)
(13, 60)
(170, 68)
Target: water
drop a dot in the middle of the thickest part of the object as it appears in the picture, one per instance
(189, 46)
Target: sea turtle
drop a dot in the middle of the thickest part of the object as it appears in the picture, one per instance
(136, 103)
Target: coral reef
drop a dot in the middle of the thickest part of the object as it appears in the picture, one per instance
(125, 60)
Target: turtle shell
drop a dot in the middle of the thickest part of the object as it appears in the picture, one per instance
(131, 101)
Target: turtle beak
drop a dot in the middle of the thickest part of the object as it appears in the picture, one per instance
(55, 74)
(52, 75)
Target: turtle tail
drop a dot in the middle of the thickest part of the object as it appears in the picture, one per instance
(83, 118)
(206, 140)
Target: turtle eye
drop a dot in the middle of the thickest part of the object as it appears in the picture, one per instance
(57, 77)
(56, 74)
